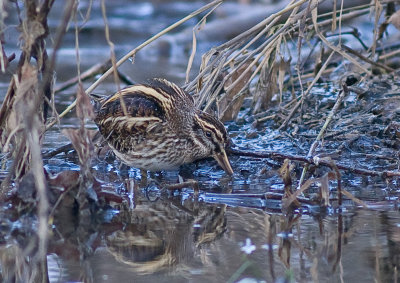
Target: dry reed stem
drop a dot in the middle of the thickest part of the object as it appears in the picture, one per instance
(342, 94)
(81, 138)
(226, 49)
(92, 71)
(3, 59)
(365, 59)
(314, 16)
(23, 109)
(390, 54)
(34, 30)
(232, 50)
(207, 87)
(354, 199)
(268, 23)
(378, 11)
(33, 138)
(27, 101)
(112, 55)
(198, 26)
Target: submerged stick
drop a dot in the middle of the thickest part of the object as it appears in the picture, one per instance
(312, 160)
(92, 71)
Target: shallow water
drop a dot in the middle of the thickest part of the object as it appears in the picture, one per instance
(180, 241)
(218, 242)
(230, 232)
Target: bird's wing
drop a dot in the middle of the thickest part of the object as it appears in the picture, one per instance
(129, 111)
(173, 91)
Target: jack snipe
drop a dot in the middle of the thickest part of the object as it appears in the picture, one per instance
(156, 126)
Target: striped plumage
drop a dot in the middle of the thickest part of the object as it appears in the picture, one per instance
(156, 126)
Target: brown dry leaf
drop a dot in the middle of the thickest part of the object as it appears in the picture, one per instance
(81, 144)
(287, 201)
(319, 61)
(291, 198)
(84, 108)
(6, 121)
(76, 140)
(228, 106)
(205, 59)
(24, 100)
(17, 94)
(7, 104)
(32, 30)
(395, 19)
(24, 126)
(81, 140)
(284, 172)
(283, 66)
(325, 189)
(266, 87)
(66, 180)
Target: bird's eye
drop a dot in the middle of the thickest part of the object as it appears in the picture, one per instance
(208, 134)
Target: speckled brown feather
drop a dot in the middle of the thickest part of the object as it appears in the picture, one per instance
(137, 105)
(161, 128)
(118, 128)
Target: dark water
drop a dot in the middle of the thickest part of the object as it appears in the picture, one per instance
(218, 236)
(181, 241)
(218, 243)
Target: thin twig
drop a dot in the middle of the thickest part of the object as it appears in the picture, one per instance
(179, 186)
(47, 82)
(362, 57)
(112, 55)
(92, 71)
(390, 54)
(342, 94)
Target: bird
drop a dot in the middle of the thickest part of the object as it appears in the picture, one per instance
(156, 126)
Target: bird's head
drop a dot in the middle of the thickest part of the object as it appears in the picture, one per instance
(210, 135)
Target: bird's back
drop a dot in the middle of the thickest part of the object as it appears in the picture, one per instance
(143, 124)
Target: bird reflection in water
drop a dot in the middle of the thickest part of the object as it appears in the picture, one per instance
(162, 235)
